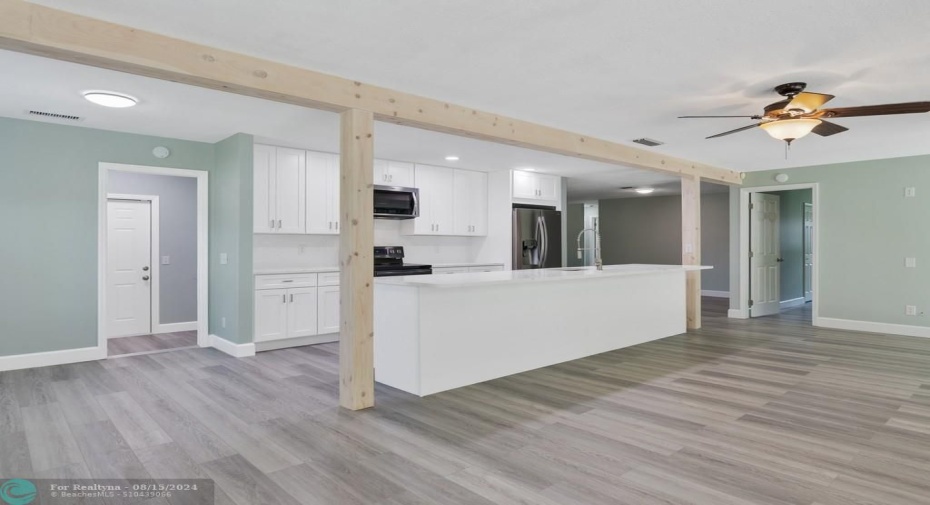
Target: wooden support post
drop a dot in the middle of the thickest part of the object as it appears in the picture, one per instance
(356, 262)
(691, 246)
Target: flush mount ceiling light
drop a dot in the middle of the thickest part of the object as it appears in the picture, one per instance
(110, 99)
(790, 129)
(644, 191)
(452, 158)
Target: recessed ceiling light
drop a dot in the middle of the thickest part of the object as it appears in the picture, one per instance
(452, 158)
(644, 191)
(110, 99)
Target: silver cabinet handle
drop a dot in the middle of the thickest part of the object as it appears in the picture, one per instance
(272, 224)
(283, 298)
(292, 298)
(337, 225)
(145, 269)
(330, 225)
(279, 224)
(145, 277)
(288, 280)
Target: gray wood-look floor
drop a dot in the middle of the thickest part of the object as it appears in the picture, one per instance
(150, 343)
(767, 411)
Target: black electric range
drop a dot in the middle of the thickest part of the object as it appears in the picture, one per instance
(389, 262)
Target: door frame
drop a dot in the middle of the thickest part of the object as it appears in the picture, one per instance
(742, 311)
(804, 251)
(154, 252)
(203, 254)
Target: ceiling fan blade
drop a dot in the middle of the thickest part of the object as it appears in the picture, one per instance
(878, 110)
(809, 102)
(692, 117)
(734, 131)
(826, 128)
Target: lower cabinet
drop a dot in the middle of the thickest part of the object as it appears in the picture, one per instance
(301, 311)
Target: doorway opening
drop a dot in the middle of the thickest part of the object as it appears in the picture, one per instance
(152, 259)
(778, 264)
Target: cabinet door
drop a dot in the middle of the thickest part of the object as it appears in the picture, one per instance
(290, 190)
(333, 185)
(443, 189)
(478, 210)
(328, 309)
(301, 312)
(462, 202)
(426, 181)
(400, 174)
(319, 220)
(270, 314)
(381, 177)
(524, 184)
(548, 187)
(263, 220)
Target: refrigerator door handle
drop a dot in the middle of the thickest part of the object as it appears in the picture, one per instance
(544, 246)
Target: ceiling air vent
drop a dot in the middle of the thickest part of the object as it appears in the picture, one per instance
(648, 142)
(54, 115)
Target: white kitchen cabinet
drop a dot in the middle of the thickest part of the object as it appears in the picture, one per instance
(328, 309)
(279, 190)
(470, 203)
(301, 312)
(394, 173)
(533, 186)
(322, 193)
(270, 314)
(436, 202)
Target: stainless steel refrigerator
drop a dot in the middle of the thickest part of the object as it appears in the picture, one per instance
(537, 237)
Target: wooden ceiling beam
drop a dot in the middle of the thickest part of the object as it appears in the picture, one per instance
(39, 30)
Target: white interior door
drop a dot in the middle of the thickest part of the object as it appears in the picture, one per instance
(129, 268)
(808, 252)
(764, 251)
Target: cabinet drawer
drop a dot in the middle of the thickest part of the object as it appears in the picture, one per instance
(285, 281)
(328, 279)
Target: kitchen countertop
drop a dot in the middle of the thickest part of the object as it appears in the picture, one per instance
(455, 265)
(540, 275)
(295, 270)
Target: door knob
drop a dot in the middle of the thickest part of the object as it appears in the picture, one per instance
(780, 260)
(145, 269)
(145, 277)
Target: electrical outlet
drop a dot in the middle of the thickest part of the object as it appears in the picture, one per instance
(166, 260)
(223, 322)
(910, 310)
(910, 192)
(224, 258)
(910, 262)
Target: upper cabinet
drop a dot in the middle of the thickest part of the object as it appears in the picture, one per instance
(436, 202)
(533, 186)
(470, 202)
(322, 193)
(280, 190)
(394, 173)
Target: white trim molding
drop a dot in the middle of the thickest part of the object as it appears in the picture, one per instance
(232, 348)
(738, 314)
(174, 327)
(874, 327)
(203, 253)
(715, 294)
(794, 302)
(50, 358)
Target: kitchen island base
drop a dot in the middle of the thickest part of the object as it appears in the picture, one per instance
(435, 336)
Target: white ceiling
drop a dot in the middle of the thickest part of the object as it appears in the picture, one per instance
(616, 70)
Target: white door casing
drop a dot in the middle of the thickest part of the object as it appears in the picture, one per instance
(129, 268)
(808, 244)
(764, 261)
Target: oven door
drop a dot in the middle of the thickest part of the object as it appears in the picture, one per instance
(392, 202)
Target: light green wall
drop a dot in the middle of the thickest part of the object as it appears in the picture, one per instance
(866, 229)
(231, 285)
(48, 216)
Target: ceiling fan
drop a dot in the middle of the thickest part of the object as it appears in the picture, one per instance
(800, 113)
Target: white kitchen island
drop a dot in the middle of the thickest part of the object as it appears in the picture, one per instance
(439, 332)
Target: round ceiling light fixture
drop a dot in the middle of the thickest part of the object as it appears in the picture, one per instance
(790, 129)
(110, 99)
(644, 191)
(452, 158)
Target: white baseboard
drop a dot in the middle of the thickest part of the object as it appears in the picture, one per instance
(715, 294)
(174, 327)
(794, 302)
(231, 348)
(738, 314)
(39, 359)
(873, 327)
(296, 342)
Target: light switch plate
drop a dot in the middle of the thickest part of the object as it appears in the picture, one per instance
(910, 310)
(910, 262)
(910, 192)
(166, 260)
(224, 259)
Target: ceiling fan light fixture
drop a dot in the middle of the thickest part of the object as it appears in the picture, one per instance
(790, 129)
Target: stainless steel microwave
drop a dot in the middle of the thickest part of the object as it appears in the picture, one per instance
(394, 202)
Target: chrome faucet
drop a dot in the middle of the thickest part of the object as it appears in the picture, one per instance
(597, 246)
